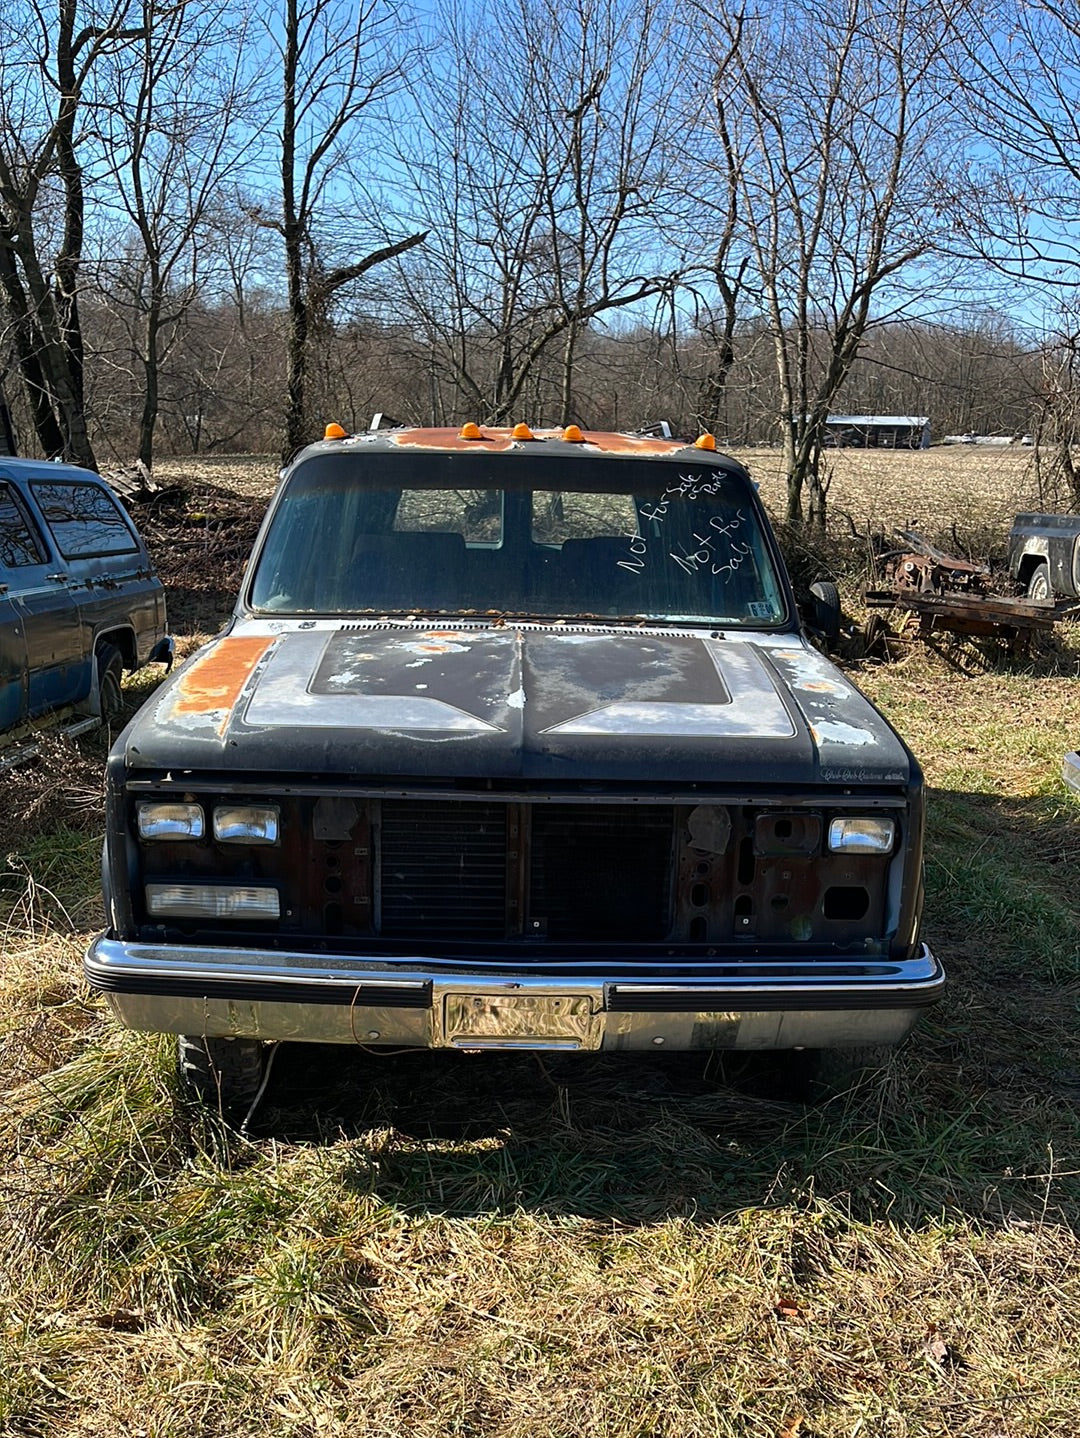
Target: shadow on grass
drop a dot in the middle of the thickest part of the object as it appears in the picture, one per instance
(637, 1140)
(978, 1114)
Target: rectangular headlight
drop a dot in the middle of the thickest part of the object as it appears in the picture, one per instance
(170, 821)
(247, 823)
(212, 901)
(862, 836)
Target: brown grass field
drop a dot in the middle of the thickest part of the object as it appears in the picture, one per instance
(495, 1246)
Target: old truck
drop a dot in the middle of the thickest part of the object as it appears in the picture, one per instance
(1044, 554)
(79, 602)
(514, 741)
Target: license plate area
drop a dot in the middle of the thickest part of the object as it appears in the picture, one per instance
(520, 1021)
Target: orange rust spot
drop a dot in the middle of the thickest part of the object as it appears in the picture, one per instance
(493, 439)
(633, 444)
(496, 440)
(215, 681)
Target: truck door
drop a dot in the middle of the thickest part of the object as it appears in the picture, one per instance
(19, 548)
(58, 667)
(12, 660)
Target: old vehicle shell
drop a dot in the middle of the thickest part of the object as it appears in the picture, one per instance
(515, 742)
(79, 601)
(1044, 554)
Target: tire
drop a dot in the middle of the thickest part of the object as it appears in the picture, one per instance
(110, 674)
(220, 1074)
(1039, 583)
(826, 598)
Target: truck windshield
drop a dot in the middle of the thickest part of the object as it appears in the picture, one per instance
(436, 533)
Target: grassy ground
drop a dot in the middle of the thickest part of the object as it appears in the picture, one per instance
(498, 1245)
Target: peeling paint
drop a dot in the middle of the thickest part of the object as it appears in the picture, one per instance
(834, 732)
(500, 440)
(214, 682)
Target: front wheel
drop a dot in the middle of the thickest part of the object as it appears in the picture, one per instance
(222, 1074)
(1039, 583)
(110, 674)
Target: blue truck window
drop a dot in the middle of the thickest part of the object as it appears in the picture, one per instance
(84, 520)
(18, 544)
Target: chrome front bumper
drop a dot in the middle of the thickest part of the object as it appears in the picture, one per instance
(817, 1002)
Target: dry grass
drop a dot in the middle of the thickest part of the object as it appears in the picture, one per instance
(443, 1244)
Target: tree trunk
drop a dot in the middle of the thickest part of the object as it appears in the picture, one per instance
(27, 342)
(148, 419)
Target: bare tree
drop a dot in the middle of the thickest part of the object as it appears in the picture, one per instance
(1017, 87)
(831, 130)
(174, 139)
(538, 165)
(341, 61)
(48, 67)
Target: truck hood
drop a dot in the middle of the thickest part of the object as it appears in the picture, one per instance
(579, 704)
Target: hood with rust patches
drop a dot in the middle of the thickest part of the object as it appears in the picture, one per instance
(506, 703)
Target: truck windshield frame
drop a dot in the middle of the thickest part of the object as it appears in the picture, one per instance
(540, 536)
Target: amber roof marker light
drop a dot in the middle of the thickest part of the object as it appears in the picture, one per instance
(334, 431)
(573, 435)
(470, 431)
(705, 441)
(521, 431)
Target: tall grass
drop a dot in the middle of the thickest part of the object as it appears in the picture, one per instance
(510, 1245)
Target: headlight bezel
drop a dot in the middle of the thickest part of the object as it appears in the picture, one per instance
(162, 821)
(247, 831)
(862, 834)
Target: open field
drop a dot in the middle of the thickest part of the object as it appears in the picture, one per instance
(496, 1246)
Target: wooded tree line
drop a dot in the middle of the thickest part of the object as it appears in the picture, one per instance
(221, 227)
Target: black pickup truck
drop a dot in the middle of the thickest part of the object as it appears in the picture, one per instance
(1044, 554)
(514, 741)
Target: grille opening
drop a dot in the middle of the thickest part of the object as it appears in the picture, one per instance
(601, 872)
(698, 929)
(744, 906)
(782, 828)
(332, 883)
(746, 862)
(699, 895)
(845, 901)
(443, 869)
(332, 918)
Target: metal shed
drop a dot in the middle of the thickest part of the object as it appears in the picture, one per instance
(878, 431)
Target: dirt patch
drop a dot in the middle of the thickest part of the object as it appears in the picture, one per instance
(200, 530)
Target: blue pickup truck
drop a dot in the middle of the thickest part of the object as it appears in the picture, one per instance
(79, 600)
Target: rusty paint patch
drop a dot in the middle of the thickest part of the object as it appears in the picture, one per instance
(631, 444)
(500, 440)
(214, 683)
(493, 441)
